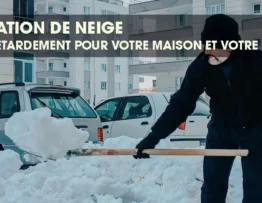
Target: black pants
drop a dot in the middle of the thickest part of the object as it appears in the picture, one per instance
(217, 169)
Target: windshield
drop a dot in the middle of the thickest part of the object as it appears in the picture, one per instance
(66, 105)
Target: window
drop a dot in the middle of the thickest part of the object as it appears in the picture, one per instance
(87, 84)
(87, 66)
(201, 109)
(117, 17)
(23, 70)
(64, 9)
(117, 52)
(103, 13)
(107, 110)
(65, 65)
(103, 67)
(182, 20)
(130, 86)
(19, 75)
(51, 82)
(117, 68)
(67, 105)
(179, 81)
(24, 8)
(28, 72)
(118, 86)
(103, 85)
(141, 80)
(51, 66)
(154, 83)
(65, 83)
(256, 8)
(87, 10)
(180, 54)
(215, 9)
(134, 107)
(223, 8)
(50, 9)
(9, 103)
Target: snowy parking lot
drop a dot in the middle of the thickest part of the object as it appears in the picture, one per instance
(108, 179)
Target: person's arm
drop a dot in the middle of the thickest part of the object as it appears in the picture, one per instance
(182, 104)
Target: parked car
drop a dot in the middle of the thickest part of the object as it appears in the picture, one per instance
(133, 115)
(62, 101)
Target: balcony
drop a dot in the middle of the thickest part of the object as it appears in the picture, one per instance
(155, 5)
(116, 2)
(52, 73)
(160, 67)
(56, 1)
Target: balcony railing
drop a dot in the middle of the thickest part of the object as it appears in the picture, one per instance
(62, 1)
(52, 73)
(116, 2)
(156, 4)
(134, 61)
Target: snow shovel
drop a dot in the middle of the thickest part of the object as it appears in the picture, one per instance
(186, 152)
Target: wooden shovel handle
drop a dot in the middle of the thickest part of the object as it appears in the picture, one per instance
(191, 152)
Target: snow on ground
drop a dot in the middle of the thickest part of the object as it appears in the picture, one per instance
(96, 179)
(109, 179)
(39, 133)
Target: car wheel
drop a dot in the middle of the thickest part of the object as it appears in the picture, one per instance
(1, 148)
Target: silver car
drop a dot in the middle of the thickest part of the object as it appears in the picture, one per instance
(62, 101)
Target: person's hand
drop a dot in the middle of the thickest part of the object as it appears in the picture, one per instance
(147, 143)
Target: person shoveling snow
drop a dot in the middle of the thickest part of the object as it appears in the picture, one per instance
(232, 80)
(38, 133)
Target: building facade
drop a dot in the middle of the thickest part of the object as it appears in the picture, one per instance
(6, 63)
(20, 67)
(97, 77)
(170, 71)
(24, 67)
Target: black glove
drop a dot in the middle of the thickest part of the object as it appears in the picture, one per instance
(147, 143)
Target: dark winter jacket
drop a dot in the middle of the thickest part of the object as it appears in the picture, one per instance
(236, 101)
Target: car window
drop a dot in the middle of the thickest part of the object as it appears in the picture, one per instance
(107, 109)
(201, 109)
(135, 107)
(9, 103)
(67, 105)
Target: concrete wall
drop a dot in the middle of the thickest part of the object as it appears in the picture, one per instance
(165, 83)
(234, 7)
(6, 63)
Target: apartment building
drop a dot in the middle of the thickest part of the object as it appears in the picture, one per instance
(24, 62)
(6, 63)
(170, 71)
(21, 66)
(97, 77)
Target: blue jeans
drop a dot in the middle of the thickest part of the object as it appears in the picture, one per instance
(217, 169)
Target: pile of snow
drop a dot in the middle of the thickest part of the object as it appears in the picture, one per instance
(39, 133)
(114, 179)
(10, 163)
